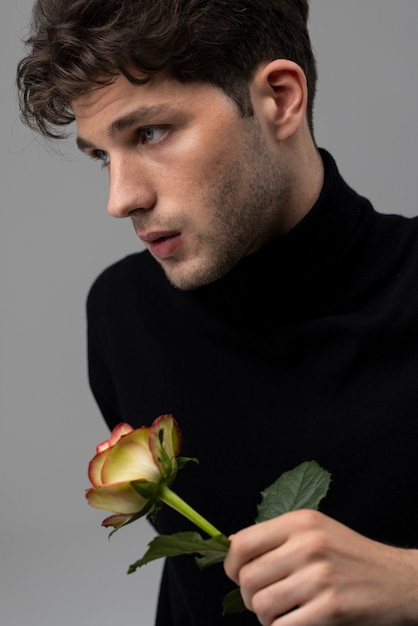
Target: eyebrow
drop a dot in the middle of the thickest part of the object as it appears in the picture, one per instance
(140, 116)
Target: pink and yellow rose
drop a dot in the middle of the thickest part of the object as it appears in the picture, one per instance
(132, 467)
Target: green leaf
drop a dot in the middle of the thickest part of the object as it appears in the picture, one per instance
(217, 547)
(233, 602)
(182, 460)
(300, 488)
(182, 543)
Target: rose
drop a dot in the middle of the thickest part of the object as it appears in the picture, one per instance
(132, 471)
(144, 455)
(131, 475)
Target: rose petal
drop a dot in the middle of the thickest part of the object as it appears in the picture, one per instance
(115, 520)
(130, 459)
(117, 498)
(96, 466)
(119, 431)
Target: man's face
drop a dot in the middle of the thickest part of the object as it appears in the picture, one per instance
(199, 182)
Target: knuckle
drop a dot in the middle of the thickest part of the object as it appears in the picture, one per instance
(335, 608)
(324, 576)
(261, 606)
(308, 518)
(319, 545)
(239, 544)
(246, 580)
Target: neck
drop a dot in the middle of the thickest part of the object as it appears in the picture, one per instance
(307, 179)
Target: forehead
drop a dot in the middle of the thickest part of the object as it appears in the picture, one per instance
(118, 92)
(121, 95)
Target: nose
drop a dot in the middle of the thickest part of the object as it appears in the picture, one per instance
(130, 188)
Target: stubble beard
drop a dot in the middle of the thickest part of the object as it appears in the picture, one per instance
(247, 199)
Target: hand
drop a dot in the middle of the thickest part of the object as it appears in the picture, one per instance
(305, 569)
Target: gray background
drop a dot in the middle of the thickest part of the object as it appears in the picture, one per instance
(57, 567)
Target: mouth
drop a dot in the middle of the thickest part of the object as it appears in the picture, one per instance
(162, 245)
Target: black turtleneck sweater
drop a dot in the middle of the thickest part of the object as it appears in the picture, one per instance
(307, 350)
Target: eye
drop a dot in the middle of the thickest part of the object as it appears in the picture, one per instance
(102, 156)
(152, 134)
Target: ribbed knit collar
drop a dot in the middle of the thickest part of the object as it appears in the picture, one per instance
(300, 266)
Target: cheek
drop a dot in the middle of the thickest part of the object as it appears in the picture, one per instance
(203, 155)
(200, 165)
(210, 170)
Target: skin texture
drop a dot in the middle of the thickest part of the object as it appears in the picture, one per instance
(202, 185)
(331, 574)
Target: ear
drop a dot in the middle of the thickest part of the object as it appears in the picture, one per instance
(279, 95)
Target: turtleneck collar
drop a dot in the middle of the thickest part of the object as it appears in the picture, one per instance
(295, 266)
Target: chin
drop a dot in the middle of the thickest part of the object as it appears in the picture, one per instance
(192, 274)
(191, 279)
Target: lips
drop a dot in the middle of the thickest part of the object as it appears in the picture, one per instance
(162, 245)
(154, 236)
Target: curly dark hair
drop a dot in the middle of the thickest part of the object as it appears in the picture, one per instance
(76, 45)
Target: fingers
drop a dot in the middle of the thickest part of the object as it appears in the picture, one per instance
(285, 565)
(253, 542)
(268, 537)
(305, 568)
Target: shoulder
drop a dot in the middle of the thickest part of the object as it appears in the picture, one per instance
(395, 234)
(388, 265)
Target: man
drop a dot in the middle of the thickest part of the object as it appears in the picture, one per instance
(274, 312)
